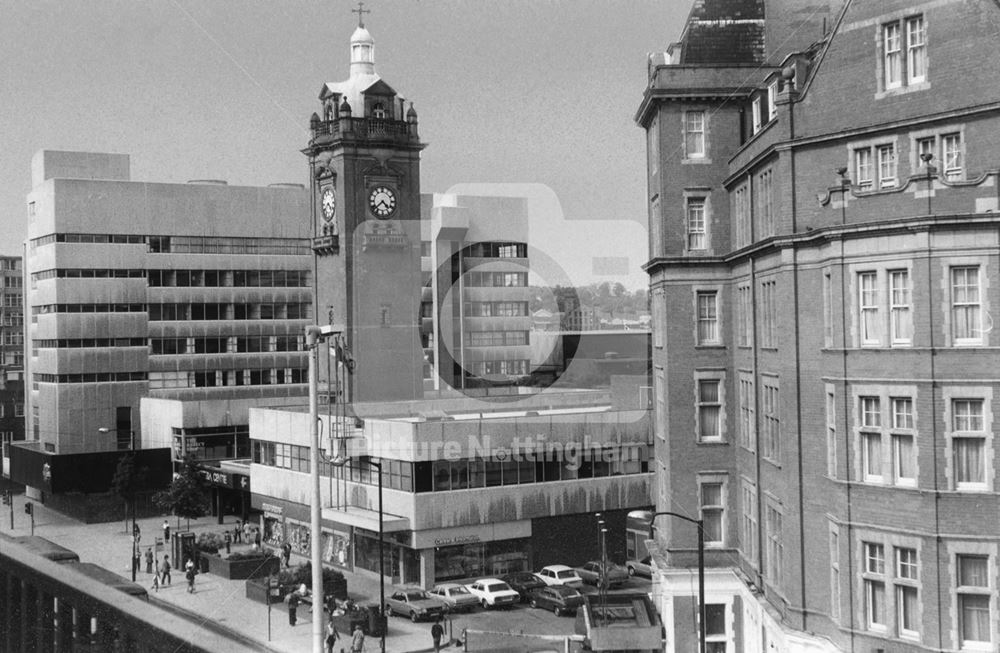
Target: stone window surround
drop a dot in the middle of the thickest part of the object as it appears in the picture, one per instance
(885, 393)
(984, 392)
(890, 541)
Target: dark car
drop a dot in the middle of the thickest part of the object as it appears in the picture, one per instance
(524, 583)
(595, 573)
(558, 598)
(415, 604)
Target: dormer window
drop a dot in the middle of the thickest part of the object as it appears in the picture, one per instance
(378, 111)
(328, 113)
(756, 110)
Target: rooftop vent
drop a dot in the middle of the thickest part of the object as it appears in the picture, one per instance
(209, 182)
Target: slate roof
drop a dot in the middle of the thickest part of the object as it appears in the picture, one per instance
(724, 32)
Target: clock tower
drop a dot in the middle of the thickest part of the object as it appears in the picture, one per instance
(364, 159)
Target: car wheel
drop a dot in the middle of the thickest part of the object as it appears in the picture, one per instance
(557, 611)
(631, 571)
(486, 606)
(534, 603)
(388, 611)
(413, 617)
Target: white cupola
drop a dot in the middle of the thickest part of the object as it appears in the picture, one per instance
(362, 52)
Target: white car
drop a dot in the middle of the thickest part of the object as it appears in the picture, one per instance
(559, 575)
(494, 593)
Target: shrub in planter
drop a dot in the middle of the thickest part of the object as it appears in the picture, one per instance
(250, 555)
(210, 542)
(334, 582)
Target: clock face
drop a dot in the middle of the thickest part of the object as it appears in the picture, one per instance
(382, 201)
(329, 204)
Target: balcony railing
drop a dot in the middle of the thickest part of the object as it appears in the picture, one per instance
(366, 128)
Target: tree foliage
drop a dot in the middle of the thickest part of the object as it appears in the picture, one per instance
(128, 478)
(607, 300)
(185, 496)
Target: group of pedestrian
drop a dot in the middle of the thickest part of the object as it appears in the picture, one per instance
(357, 638)
(161, 575)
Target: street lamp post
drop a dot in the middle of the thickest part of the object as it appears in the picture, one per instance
(381, 554)
(135, 527)
(700, 523)
(314, 335)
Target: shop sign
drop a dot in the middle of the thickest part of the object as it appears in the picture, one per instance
(464, 539)
(271, 509)
(216, 478)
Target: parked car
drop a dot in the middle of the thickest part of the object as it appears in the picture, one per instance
(455, 596)
(595, 573)
(415, 604)
(559, 575)
(640, 567)
(560, 599)
(493, 593)
(523, 582)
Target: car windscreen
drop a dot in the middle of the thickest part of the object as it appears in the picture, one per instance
(566, 573)
(497, 587)
(414, 596)
(458, 590)
(566, 592)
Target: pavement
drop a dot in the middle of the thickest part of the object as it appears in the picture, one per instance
(215, 599)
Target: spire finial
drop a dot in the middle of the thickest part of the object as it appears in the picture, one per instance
(361, 11)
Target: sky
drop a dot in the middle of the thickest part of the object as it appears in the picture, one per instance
(514, 91)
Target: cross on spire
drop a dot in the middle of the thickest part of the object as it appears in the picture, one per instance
(361, 11)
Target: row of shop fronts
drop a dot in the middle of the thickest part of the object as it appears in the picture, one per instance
(416, 557)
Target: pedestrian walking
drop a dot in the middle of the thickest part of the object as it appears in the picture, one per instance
(331, 636)
(136, 562)
(437, 631)
(156, 579)
(165, 570)
(238, 531)
(149, 560)
(256, 539)
(229, 542)
(286, 552)
(357, 640)
(166, 531)
(293, 604)
(189, 575)
(246, 532)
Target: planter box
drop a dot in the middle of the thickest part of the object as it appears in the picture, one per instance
(241, 569)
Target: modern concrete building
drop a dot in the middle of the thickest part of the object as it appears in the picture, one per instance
(470, 488)
(11, 355)
(823, 239)
(191, 292)
(475, 305)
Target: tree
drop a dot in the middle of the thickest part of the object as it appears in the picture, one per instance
(186, 496)
(128, 481)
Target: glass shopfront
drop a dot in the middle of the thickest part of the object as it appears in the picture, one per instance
(366, 551)
(298, 535)
(274, 531)
(337, 548)
(477, 559)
